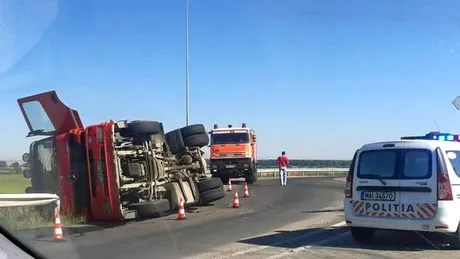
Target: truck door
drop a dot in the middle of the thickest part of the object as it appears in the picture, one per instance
(46, 115)
(376, 181)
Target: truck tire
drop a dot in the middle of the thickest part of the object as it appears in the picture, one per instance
(175, 141)
(224, 179)
(200, 140)
(212, 195)
(209, 184)
(252, 175)
(146, 209)
(136, 128)
(195, 129)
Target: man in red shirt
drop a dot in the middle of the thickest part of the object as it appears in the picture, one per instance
(283, 162)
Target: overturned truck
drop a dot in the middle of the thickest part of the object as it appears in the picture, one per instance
(116, 169)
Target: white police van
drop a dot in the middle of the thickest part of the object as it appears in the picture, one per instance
(408, 184)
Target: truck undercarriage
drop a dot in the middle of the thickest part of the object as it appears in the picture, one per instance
(116, 170)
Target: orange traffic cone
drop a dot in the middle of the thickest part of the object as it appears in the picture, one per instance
(236, 201)
(229, 186)
(181, 214)
(246, 191)
(58, 235)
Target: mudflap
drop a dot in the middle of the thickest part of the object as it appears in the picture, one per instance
(182, 189)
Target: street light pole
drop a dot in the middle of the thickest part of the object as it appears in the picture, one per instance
(187, 90)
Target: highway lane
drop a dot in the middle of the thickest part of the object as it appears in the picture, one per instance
(207, 229)
(386, 245)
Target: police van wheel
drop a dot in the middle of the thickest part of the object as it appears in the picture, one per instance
(362, 235)
(454, 240)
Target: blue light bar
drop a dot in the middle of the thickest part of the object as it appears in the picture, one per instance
(437, 136)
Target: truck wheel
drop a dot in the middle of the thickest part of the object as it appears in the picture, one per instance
(224, 180)
(362, 235)
(200, 140)
(146, 209)
(136, 128)
(252, 175)
(252, 178)
(209, 184)
(175, 141)
(212, 195)
(195, 129)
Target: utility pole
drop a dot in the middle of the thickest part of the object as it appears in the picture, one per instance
(187, 90)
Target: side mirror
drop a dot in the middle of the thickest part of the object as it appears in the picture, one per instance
(25, 157)
(456, 102)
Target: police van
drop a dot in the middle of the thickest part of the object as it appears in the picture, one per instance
(409, 184)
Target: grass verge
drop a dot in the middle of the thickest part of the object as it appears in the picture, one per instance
(19, 218)
(13, 183)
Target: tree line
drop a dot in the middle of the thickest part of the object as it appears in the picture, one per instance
(271, 163)
(12, 168)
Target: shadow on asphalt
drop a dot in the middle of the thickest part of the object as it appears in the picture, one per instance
(396, 241)
(323, 211)
(383, 240)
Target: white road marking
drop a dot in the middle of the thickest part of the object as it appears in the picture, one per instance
(258, 248)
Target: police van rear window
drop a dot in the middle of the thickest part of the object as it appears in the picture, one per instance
(395, 164)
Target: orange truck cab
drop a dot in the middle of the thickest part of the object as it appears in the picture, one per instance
(233, 153)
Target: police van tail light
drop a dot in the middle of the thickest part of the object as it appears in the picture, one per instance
(349, 187)
(444, 188)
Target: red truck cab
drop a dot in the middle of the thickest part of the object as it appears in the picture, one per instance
(58, 159)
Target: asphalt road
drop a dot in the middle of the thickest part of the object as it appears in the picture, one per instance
(385, 245)
(214, 231)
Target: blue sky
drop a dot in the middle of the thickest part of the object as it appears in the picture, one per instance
(315, 78)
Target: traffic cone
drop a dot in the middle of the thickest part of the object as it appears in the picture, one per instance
(181, 213)
(229, 186)
(58, 235)
(246, 191)
(236, 201)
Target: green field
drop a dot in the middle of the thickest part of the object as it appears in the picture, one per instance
(13, 183)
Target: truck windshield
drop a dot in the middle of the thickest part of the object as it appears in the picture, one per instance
(39, 120)
(229, 138)
(42, 166)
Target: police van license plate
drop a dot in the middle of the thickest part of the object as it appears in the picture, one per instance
(378, 196)
(230, 166)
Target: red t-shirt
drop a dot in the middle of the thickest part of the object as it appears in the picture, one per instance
(283, 161)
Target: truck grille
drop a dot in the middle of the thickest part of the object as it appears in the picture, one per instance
(231, 155)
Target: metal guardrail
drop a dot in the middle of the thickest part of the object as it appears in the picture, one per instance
(28, 199)
(305, 169)
(274, 172)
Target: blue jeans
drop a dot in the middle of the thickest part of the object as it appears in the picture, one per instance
(283, 176)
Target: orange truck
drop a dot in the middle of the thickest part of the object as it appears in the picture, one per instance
(233, 153)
